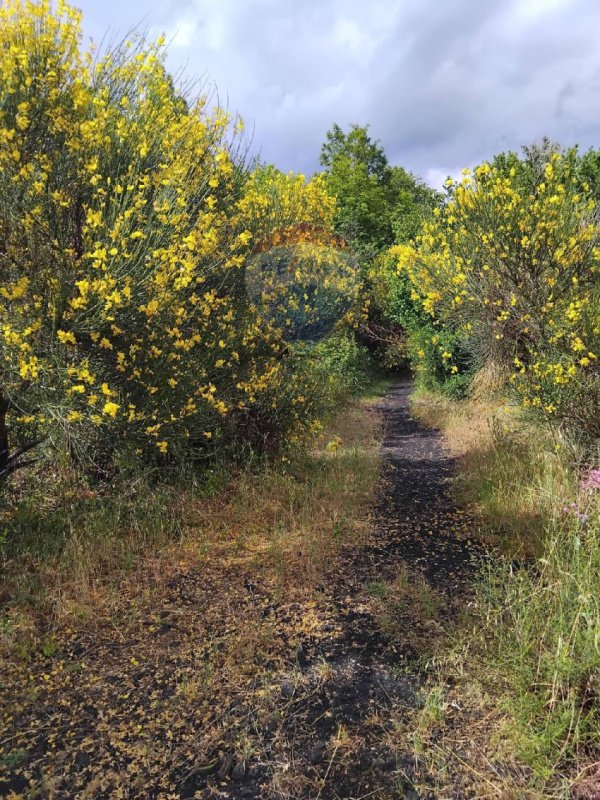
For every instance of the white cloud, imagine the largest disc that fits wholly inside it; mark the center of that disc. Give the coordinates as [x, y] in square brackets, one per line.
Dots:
[436, 176]
[181, 35]
[348, 35]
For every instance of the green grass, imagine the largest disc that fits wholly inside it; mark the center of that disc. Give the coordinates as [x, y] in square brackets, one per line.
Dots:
[532, 640]
[379, 383]
[545, 624]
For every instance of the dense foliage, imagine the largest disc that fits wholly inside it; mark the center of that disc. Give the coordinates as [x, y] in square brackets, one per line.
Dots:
[501, 290]
[378, 205]
[128, 219]
[510, 267]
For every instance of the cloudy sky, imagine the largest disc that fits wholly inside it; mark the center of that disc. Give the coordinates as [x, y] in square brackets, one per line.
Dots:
[442, 83]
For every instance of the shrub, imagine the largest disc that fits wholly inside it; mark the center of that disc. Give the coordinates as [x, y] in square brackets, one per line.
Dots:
[439, 361]
[127, 221]
[514, 273]
[345, 364]
[436, 354]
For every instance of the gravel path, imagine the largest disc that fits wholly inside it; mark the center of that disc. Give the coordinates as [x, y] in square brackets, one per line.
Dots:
[375, 667]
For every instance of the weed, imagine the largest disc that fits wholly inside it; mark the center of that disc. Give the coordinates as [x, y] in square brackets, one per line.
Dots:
[377, 589]
[531, 637]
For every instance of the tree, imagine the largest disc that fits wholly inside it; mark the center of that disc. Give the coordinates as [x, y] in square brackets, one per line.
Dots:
[413, 202]
[378, 204]
[358, 175]
[357, 147]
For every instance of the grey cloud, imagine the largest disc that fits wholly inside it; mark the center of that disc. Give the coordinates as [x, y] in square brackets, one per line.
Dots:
[443, 83]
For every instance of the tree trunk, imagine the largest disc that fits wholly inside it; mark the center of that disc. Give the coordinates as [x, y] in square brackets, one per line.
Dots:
[11, 463]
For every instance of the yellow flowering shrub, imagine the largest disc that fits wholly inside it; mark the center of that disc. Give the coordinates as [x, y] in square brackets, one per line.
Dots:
[301, 275]
[276, 201]
[304, 283]
[513, 270]
[126, 224]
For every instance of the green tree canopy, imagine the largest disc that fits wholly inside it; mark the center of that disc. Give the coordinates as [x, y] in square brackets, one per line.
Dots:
[377, 204]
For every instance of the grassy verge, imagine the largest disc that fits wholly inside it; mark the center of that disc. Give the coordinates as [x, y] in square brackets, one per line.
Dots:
[514, 710]
[69, 548]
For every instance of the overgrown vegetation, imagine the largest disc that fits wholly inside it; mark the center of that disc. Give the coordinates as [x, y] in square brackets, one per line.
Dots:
[178, 322]
[153, 283]
[173, 317]
[500, 297]
[168, 608]
[511, 268]
[528, 659]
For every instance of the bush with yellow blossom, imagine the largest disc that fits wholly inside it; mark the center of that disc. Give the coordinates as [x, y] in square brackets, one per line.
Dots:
[513, 270]
[126, 223]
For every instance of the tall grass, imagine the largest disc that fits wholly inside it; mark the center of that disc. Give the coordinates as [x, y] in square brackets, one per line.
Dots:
[536, 625]
[512, 471]
[544, 624]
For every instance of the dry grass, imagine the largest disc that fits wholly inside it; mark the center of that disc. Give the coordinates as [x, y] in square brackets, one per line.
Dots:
[466, 425]
[407, 610]
[288, 520]
[74, 550]
[506, 715]
[513, 472]
[211, 615]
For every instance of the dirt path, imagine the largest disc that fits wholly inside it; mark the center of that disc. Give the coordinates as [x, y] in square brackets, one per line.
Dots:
[394, 598]
[321, 689]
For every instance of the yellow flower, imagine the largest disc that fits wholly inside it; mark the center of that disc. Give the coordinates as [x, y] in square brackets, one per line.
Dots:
[66, 337]
[111, 409]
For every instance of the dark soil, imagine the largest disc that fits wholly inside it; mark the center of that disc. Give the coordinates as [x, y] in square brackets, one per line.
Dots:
[320, 710]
